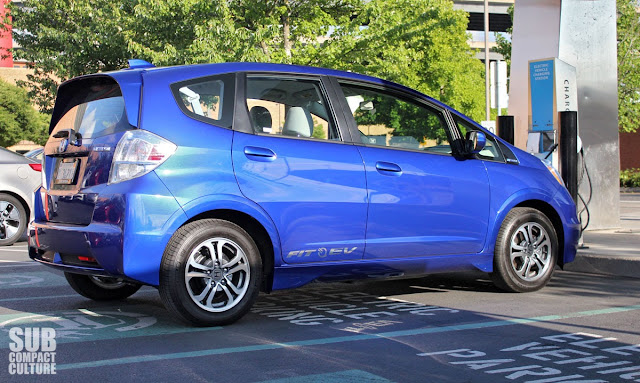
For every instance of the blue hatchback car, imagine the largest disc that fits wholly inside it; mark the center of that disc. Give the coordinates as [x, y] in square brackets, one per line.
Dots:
[215, 182]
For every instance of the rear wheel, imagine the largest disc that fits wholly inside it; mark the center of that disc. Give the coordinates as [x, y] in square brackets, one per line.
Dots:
[526, 251]
[210, 273]
[101, 288]
[13, 219]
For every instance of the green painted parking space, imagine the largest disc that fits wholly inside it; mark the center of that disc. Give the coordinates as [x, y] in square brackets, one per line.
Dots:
[84, 325]
[30, 279]
[344, 339]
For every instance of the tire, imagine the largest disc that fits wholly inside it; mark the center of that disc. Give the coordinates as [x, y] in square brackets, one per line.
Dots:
[210, 273]
[520, 264]
[101, 288]
[13, 219]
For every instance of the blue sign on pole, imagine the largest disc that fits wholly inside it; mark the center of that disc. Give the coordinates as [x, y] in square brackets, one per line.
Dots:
[541, 83]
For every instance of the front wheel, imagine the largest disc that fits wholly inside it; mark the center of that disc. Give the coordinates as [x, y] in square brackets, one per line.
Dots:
[210, 273]
[526, 251]
[101, 288]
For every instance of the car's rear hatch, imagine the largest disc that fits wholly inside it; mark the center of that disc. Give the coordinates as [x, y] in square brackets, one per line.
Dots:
[90, 116]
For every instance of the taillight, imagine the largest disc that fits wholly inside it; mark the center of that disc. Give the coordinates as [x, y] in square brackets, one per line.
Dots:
[44, 198]
[36, 167]
[138, 153]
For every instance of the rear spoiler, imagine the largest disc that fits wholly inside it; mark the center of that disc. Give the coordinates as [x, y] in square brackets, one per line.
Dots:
[130, 84]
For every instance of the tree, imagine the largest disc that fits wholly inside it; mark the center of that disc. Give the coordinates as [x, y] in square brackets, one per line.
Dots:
[18, 119]
[421, 44]
[628, 65]
[503, 44]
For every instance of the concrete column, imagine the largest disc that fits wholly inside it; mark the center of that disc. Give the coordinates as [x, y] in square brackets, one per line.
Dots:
[583, 34]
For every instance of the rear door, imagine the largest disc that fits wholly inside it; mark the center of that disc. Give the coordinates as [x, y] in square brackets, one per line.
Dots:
[424, 198]
[292, 160]
[89, 119]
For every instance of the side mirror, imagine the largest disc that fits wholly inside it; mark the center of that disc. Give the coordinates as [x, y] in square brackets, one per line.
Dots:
[475, 142]
[366, 105]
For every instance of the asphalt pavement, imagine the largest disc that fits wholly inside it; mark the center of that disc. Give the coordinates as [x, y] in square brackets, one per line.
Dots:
[582, 327]
[441, 328]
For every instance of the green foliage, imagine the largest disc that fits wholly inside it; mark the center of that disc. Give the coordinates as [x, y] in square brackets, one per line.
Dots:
[18, 119]
[628, 66]
[403, 118]
[503, 44]
[630, 178]
[318, 132]
[421, 44]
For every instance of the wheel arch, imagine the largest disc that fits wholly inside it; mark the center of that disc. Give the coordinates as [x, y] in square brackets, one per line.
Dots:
[256, 230]
[551, 213]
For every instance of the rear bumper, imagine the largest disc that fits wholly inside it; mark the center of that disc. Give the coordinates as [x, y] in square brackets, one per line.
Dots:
[65, 246]
[129, 246]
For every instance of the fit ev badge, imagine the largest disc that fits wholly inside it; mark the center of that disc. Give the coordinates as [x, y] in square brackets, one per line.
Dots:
[322, 252]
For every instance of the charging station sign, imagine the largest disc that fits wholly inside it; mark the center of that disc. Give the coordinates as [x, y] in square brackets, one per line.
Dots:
[552, 89]
[541, 82]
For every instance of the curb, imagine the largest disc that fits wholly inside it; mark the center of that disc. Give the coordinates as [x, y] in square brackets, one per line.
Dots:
[629, 190]
[598, 264]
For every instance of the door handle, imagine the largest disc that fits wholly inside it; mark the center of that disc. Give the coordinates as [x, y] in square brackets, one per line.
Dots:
[388, 168]
[259, 154]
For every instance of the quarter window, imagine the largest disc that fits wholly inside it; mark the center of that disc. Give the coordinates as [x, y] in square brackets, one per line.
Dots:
[208, 99]
[387, 120]
[289, 107]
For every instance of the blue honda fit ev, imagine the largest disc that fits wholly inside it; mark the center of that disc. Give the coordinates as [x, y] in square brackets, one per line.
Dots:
[214, 182]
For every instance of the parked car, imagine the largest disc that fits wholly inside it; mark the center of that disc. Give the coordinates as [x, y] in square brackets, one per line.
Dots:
[35, 154]
[19, 178]
[213, 182]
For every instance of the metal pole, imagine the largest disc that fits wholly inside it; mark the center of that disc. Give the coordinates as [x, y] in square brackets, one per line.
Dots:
[486, 59]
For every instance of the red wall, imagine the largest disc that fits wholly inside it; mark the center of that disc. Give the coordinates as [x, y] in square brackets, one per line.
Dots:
[630, 150]
[6, 41]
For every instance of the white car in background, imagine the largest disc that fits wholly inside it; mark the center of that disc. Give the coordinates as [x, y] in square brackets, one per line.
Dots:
[19, 178]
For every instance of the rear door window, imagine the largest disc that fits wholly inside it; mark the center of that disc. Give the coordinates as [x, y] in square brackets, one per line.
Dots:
[290, 107]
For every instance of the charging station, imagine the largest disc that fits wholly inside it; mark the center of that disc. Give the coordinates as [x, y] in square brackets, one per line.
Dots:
[552, 89]
[583, 35]
[553, 118]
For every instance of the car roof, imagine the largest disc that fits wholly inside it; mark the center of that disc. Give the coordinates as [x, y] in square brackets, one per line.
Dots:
[130, 81]
[186, 72]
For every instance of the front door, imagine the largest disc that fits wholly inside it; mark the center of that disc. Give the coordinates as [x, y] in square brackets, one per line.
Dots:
[424, 199]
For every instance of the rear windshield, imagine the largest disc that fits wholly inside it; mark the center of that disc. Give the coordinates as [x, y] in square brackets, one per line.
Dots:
[95, 110]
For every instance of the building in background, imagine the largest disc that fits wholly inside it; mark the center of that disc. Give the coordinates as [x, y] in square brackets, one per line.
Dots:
[499, 22]
[11, 70]
[6, 42]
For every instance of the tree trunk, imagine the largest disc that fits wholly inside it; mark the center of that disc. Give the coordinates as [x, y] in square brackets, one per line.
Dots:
[286, 32]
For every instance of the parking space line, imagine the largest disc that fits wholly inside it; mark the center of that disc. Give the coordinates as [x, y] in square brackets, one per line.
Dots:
[21, 264]
[16, 250]
[341, 339]
[13, 261]
[20, 299]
